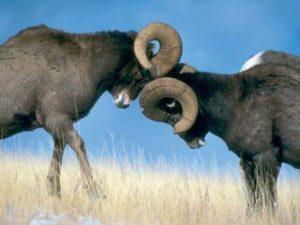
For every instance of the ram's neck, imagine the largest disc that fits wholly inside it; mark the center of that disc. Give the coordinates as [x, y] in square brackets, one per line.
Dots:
[105, 53]
[217, 95]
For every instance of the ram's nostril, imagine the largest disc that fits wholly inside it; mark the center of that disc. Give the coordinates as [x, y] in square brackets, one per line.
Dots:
[201, 142]
[122, 98]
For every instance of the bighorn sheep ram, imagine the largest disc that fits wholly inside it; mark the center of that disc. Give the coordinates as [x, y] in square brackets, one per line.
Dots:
[256, 112]
[50, 79]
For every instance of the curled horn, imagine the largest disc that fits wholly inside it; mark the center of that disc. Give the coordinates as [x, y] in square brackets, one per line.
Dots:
[170, 48]
[167, 87]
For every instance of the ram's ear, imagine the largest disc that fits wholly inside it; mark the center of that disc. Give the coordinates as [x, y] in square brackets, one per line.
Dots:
[181, 68]
[132, 34]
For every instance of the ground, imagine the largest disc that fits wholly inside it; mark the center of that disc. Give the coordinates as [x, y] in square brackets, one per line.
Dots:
[137, 194]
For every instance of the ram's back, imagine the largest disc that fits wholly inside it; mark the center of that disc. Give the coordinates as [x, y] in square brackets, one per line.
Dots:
[29, 60]
[274, 90]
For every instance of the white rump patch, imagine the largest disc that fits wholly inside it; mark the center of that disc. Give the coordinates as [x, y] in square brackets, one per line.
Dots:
[253, 61]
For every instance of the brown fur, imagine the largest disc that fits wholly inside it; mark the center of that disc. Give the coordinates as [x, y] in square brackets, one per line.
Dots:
[50, 78]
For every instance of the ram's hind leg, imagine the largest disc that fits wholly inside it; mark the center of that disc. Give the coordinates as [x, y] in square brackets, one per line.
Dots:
[62, 126]
[261, 174]
[55, 166]
[248, 169]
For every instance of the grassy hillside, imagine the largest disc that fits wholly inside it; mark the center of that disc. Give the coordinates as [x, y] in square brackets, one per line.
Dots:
[136, 194]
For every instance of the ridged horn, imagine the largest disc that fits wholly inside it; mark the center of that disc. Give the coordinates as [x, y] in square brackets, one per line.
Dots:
[167, 87]
[169, 52]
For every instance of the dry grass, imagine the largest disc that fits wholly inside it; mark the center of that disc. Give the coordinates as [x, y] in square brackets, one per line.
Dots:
[136, 194]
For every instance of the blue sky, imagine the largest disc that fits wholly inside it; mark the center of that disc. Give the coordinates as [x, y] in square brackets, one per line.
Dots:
[218, 36]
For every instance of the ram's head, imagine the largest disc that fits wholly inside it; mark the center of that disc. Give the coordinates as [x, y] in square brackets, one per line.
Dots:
[146, 65]
[172, 101]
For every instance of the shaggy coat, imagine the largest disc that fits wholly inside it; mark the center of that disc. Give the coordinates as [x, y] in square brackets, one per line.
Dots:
[50, 78]
[256, 113]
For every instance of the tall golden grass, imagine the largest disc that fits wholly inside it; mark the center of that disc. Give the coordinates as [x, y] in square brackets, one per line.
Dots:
[137, 194]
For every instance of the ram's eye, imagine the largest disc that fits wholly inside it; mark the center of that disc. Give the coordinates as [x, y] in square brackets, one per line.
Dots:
[138, 76]
[171, 104]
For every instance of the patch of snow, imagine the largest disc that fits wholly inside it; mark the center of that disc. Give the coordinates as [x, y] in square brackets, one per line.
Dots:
[42, 218]
[10, 213]
[132, 222]
[88, 221]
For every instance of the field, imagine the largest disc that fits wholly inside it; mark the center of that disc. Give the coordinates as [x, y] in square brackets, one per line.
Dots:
[137, 194]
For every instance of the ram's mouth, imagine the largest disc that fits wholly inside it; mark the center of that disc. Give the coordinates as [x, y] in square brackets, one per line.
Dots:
[196, 142]
[122, 100]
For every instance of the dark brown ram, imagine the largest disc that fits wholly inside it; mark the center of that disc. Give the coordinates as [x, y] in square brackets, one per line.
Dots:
[256, 113]
[50, 79]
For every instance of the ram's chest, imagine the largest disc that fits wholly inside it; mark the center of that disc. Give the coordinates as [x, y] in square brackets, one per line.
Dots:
[82, 99]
